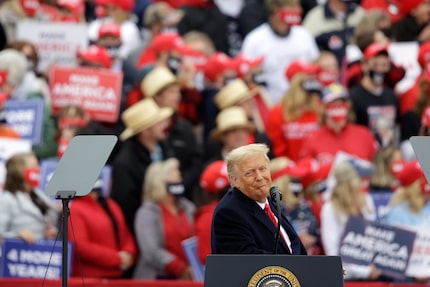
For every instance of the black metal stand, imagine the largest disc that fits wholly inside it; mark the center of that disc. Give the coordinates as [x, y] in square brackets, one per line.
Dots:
[66, 197]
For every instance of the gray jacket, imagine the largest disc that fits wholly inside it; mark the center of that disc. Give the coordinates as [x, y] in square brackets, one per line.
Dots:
[18, 212]
[153, 256]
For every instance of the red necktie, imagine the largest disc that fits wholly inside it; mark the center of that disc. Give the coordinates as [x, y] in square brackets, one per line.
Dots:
[275, 222]
[270, 214]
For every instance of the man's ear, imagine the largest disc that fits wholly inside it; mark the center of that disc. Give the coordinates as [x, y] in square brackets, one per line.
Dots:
[233, 180]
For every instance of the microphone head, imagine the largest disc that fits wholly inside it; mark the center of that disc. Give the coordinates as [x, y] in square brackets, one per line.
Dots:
[275, 193]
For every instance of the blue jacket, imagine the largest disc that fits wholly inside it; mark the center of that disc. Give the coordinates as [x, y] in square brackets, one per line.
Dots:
[240, 226]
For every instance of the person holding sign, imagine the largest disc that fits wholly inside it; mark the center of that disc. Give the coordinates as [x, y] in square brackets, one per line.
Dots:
[347, 199]
[25, 211]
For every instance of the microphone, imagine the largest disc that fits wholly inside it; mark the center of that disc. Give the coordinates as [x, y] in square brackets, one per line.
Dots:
[276, 196]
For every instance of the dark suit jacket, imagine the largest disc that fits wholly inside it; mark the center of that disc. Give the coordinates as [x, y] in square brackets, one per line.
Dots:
[240, 226]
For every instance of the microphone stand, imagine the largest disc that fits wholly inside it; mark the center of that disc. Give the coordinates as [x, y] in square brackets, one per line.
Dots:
[66, 197]
[275, 194]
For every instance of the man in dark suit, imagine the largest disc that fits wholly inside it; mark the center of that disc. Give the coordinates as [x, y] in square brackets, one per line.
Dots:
[240, 223]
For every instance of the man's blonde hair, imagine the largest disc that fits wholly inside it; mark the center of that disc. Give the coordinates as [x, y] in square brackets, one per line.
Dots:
[242, 153]
[156, 177]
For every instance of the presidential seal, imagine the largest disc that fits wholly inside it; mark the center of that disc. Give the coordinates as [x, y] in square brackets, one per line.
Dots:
[273, 276]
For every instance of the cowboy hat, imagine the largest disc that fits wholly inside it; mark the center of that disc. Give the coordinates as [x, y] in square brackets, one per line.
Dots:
[234, 92]
[231, 118]
[141, 116]
[157, 80]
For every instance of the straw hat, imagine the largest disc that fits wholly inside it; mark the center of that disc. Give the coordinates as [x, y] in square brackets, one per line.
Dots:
[156, 80]
[234, 92]
[231, 118]
[141, 116]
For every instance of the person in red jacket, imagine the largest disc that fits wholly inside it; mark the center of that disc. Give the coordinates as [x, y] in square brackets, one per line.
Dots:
[297, 115]
[337, 132]
[214, 182]
[103, 245]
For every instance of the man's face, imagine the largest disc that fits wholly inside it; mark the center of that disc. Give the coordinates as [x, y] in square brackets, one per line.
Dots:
[379, 64]
[234, 138]
[169, 97]
[159, 131]
[253, 178]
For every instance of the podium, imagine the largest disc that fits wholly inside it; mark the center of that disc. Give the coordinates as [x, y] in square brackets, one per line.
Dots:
[273, 270]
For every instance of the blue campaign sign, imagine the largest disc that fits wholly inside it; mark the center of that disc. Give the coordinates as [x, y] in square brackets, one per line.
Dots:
[387, 247]
[190, 247]
[42, 259]
[26, 117]
[380, 200]
[47, 168]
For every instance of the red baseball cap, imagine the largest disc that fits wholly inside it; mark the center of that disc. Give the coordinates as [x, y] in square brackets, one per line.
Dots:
[30, 6]
[214, 178]
[76, 6]
[407, 172]
[374, 50]
[126, 5]
[163, 42]
[168, 42]
[292, 170]
[110, 28]
[216, 65]
[396, 9]
[96, 54]
[317, 172]
[300, 66]
[243, 64]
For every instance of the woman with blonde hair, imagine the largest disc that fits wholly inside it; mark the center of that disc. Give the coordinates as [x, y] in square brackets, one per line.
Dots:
[409, 206]
[162, 222]
[382, 179]
[296, 115]
[298, 210]
[347, 199]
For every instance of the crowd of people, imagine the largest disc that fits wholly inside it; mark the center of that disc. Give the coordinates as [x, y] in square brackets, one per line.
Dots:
[201, 78]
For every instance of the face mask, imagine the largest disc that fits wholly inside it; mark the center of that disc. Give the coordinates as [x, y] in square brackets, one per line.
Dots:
[291, 17]
[337, 112]
[311, 86]
[30, 65]
[326, 77]
[259, 79]
[387, 32]
[113, 50]
[177, 189]
[173, 64]
[425, 187]
[3, 96]
[377, 78]
[62, 145]
[30, 6]
[3, 116]
[32, 176]
[227, 80]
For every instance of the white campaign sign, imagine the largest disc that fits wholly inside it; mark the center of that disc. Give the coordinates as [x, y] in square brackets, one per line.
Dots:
[419, 263]
[55, 43]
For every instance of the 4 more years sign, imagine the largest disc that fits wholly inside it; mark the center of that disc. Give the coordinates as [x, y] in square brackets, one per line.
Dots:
[42, 259]
[97, 91]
